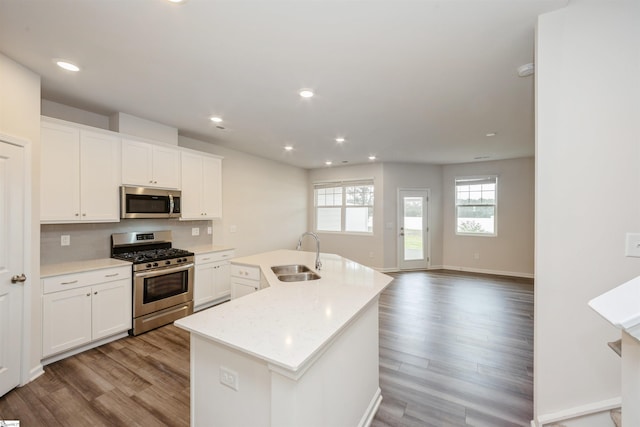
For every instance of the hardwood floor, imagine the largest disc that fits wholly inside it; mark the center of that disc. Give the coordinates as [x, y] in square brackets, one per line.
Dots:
[455, 350]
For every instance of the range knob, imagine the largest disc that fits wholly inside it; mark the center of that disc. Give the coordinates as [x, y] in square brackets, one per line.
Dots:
[167, 262]
[155, 264]
[148, 265]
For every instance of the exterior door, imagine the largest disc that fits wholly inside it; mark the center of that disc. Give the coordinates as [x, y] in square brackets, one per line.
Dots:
[11, 262]
[413, 232]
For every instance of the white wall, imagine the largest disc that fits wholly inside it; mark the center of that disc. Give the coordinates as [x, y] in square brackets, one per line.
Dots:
[411, 175]
[264, 200]
[364, 249]
[20, 117]
[587, 194]
[511, 251]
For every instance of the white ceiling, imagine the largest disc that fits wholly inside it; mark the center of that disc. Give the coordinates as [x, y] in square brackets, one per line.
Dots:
[408, 81]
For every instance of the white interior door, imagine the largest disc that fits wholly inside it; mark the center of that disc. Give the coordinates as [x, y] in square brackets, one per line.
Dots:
[11, 263]
[413, 229]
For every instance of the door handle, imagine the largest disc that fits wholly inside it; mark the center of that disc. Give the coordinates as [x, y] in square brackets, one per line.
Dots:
[19, 279]
[402, 231]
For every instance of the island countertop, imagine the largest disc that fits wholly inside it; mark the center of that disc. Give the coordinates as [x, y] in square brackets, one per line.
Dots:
[288, 324]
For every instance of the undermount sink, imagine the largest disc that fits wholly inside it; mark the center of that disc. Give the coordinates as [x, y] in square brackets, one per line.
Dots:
[294, 273]
[290, 269]
[298, 277]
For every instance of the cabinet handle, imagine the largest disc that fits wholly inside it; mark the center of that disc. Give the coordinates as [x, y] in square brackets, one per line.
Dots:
[84, 214]
[206, 259]
[77, 214]
[95, 293]
[69, 283]
[111, 275]
[89, 294]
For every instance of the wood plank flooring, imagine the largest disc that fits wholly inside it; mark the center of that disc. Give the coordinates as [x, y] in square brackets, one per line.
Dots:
[456, 349]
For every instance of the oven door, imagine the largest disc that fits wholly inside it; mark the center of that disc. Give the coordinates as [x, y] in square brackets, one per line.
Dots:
[162, 288]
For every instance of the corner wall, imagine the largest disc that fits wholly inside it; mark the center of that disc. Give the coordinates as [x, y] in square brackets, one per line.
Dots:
[587, 196]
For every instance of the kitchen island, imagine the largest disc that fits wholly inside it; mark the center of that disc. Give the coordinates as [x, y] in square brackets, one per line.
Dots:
[292, 354]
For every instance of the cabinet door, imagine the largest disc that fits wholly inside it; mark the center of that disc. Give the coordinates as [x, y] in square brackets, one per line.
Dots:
[212, 187]
[166, 167]
[242, 287]
[137, 161]
[99, 176]
[222, 280]
[192, 182]
[59, 173]
[203, 290]
[66, 320]
[111, 308]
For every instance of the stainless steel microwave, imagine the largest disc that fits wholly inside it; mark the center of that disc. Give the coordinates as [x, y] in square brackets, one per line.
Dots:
[145, 202]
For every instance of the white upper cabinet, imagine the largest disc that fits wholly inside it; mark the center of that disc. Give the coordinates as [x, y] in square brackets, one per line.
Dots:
[201, 187]
[150, 165]
[80, 175]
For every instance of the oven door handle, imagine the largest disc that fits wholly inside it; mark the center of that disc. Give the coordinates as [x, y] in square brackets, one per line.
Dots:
[166, 270]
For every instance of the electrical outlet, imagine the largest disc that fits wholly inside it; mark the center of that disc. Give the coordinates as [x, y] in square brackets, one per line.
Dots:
[65, 240]
[632, 245]
[209, 230]
[233, 228]
[195, 231]
[229, 378]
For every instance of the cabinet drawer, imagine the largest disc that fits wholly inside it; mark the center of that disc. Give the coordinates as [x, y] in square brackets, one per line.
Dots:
[246, 272]
[213, 257]
[85, 278]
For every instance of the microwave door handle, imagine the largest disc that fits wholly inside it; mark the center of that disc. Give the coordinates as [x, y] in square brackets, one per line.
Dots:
[168, 270]
[171, 204]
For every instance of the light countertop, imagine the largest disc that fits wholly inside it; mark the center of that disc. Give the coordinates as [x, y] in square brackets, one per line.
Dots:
[287, 324]
[80, 266]
[203, 249]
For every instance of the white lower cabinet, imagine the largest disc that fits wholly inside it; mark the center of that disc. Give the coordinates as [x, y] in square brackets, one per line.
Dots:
[245, 280]
[84, 307]
[212, 278]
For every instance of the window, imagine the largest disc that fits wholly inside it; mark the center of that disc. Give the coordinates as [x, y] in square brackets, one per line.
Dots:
[345, 206]
[476, 205]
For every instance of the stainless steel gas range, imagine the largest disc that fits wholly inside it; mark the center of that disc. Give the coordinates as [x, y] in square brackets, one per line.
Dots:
[162, 277]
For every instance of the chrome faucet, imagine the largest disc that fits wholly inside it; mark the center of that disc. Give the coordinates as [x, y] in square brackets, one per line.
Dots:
[315, 236]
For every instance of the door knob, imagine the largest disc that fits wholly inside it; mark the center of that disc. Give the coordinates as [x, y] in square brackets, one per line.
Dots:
[18, 279]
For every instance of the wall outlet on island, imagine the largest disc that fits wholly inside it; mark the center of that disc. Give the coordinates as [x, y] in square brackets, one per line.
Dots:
[195, 231]
[229, 378]
[65, 240]
[209, 230]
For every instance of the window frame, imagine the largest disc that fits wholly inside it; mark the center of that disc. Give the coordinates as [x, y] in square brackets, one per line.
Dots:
[344, 184]
[478, 179]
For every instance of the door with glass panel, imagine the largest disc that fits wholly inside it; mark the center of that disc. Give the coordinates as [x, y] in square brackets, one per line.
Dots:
[413, 227]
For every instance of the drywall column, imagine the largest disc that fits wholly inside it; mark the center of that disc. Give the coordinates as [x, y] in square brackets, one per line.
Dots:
[587, 197]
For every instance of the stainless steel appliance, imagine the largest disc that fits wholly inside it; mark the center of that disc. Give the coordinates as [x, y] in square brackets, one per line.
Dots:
[145, 202]
[162, 277]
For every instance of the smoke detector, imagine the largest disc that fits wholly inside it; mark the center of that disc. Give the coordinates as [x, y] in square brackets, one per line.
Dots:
[526, 70]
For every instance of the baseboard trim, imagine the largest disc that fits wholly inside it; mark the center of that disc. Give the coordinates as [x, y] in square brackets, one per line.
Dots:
[35, 372]
[485, 271]
[578, 411]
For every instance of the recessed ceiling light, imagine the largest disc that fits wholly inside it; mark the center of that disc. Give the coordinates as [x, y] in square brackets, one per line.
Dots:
[372, 157]
[67, 65]
[177, 1]
[340, 139]
[306, 93]
[490, 134]
[216, 119]
[288, 147]
[328, 163]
